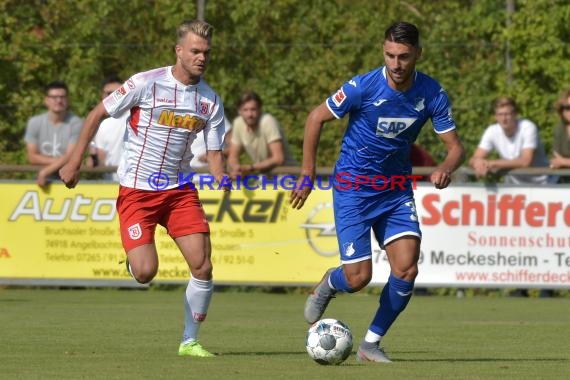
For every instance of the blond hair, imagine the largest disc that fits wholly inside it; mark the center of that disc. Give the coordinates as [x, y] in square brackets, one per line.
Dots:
[198, 27]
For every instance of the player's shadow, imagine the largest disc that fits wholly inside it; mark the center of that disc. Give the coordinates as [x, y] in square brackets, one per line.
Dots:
[394, 356]
[14, 300]
[346, 363]
[396, 359]
[258, 353]
[482, 360]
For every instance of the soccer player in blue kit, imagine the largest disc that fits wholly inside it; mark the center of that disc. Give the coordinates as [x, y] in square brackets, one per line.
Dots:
[387, 108]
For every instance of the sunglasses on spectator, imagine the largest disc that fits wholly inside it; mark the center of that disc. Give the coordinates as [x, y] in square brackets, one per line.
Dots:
[565, 107]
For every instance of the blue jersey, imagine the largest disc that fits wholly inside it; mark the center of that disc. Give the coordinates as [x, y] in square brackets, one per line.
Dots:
[383, 124]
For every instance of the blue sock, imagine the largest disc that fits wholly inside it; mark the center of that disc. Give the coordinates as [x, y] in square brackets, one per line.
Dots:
[393, 300]
[338, 281]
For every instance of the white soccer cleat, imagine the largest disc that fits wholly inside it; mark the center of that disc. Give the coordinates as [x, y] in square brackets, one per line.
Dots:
[371, 352]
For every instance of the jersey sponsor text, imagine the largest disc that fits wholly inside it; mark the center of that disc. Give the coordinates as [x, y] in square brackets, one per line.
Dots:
[391, 127]
[189, 122]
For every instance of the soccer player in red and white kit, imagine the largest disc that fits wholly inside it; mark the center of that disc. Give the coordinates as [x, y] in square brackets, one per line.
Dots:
[168, 106]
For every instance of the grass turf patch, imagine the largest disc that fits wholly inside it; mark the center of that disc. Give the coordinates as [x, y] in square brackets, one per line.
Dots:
[124, 334]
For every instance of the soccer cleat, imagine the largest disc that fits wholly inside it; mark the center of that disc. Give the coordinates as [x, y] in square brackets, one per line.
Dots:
[371, 352]
[319, 299]
[194, 349]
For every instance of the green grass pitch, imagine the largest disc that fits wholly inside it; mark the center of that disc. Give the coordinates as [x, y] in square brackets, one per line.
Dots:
[128, 334]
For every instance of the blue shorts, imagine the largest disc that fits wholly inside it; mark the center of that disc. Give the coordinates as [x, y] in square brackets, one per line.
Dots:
[391, 216]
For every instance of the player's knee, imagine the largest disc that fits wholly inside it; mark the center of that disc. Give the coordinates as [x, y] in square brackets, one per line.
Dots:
[413, 273]
[202, 272]
[408, 274]
[144, 275]
[358, 280]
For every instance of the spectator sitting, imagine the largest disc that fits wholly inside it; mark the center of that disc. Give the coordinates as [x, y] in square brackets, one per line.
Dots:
[260, 135]
[516, 141]
[53, 134]
[109, 140]
[561, 143]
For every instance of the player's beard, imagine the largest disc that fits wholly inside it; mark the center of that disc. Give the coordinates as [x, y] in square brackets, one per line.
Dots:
[403, 80]
[194, 71]
[402, 76]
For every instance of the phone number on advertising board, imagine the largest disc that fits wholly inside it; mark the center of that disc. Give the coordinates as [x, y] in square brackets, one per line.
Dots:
[233, 259]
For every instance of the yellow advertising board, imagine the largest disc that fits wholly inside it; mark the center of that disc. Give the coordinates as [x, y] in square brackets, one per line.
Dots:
[58, 234]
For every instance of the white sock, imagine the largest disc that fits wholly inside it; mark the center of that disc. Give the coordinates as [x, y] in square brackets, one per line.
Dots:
[196, 303]
[372, 337]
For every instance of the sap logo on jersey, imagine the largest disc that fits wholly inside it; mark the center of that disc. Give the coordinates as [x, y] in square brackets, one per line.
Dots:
[391, 127]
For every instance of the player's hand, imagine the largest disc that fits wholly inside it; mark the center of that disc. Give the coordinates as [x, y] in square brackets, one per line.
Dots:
[69, 175]
[441, 178]
[301, 192]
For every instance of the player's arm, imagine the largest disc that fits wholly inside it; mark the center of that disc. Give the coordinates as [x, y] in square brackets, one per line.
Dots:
[441, 177]
[69, 173]
[216, 166]
[227, 144]
[234, 153]
[313, 126]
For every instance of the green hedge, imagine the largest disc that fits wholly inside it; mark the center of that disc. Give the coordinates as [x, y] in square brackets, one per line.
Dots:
[293, 53]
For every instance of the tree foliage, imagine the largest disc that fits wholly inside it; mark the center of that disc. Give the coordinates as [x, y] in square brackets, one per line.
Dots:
[293, 53]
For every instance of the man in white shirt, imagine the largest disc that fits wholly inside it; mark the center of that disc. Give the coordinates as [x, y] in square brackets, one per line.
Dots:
[109, 140]
[517, 143]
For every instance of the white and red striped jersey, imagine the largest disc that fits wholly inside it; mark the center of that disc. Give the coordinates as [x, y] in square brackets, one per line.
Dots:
[165, 117]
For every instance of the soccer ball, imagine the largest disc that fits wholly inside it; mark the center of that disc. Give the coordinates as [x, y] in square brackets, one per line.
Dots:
[329, 341]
